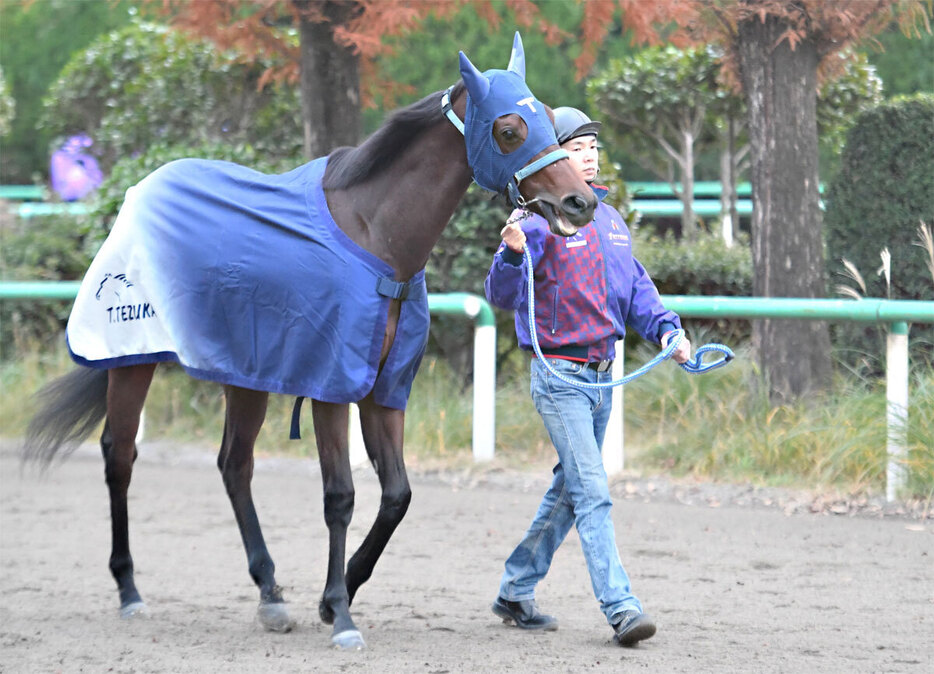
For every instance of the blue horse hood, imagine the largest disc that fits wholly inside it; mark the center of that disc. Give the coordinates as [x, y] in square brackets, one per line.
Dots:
[491, 95]
[508, 94]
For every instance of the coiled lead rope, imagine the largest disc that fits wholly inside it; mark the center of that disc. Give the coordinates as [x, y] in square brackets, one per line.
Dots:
[695, 366]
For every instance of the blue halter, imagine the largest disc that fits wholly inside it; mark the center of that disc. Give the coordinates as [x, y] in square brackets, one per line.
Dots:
[491, 95]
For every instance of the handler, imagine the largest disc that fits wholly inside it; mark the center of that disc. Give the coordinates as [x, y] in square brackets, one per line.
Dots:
[588, 287]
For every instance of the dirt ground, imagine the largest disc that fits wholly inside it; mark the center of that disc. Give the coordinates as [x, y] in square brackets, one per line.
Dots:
[738, 580]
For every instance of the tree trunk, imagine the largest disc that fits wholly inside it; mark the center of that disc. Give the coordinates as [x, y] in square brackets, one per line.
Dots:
[780, 86]
[330, 80]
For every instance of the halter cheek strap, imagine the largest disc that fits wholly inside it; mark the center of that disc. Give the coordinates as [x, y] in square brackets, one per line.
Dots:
[512, 187]
[448, 109]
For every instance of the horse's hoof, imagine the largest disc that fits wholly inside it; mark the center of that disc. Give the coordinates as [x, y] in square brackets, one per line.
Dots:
[325, 613]
[134, 610]
[348, 640]
[274, 617]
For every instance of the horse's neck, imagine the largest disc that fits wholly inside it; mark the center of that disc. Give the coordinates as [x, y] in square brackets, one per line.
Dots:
[399, 214]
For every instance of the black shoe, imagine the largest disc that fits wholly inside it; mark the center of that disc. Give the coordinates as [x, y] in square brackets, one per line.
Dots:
[632, 627]
[525, 614]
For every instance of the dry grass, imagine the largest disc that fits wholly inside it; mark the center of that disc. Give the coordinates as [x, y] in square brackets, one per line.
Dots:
[715, 425]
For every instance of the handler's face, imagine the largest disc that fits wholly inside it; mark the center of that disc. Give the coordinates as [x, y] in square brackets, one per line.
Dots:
[584, 156]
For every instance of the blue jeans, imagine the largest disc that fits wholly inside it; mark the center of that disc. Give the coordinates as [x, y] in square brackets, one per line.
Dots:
[579, 495]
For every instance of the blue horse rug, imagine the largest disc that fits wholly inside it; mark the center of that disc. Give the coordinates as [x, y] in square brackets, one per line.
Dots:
[245, 279]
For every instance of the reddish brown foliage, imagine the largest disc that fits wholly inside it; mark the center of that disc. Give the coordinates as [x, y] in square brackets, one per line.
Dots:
[257, 27]
[831, 24]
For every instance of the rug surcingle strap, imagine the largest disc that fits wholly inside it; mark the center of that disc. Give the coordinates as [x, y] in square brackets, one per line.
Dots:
[392, 289]
[295, 432]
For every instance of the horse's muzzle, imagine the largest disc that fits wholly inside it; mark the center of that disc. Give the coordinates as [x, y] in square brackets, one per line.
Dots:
[578, 209]
[567, 215]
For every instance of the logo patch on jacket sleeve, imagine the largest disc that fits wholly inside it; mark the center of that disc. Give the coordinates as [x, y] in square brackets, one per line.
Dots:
[616, 237]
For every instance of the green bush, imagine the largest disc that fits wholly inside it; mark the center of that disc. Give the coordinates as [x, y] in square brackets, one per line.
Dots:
[146, 84]
[880, 197]
[882, 194]
[48, 248]
[704, 266]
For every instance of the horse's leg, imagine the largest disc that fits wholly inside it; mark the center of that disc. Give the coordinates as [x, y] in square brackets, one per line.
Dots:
[126, 392]
[246, 411]
[382, 435]
[331, 435]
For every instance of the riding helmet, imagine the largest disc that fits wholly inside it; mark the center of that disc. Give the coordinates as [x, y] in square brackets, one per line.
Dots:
[571, 123]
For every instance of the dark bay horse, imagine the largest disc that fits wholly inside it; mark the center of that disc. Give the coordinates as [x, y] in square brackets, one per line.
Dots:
[388, 201]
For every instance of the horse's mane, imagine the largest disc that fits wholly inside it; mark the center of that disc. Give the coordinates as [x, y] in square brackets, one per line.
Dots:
[348, 166]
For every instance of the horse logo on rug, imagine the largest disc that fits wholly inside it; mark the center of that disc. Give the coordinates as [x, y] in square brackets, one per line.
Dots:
[114, 284]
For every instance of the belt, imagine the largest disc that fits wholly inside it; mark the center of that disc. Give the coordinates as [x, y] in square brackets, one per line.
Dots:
[599, 366]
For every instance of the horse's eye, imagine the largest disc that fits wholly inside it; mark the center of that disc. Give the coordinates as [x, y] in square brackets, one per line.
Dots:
[509, 133]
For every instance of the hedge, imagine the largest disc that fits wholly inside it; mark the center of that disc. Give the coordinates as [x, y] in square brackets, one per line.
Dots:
[882, 194]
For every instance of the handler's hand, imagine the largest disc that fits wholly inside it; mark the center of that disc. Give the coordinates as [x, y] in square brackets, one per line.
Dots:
[513, 237]
[683, 353]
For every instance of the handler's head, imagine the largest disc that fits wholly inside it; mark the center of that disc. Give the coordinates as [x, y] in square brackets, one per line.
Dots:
[577, 134]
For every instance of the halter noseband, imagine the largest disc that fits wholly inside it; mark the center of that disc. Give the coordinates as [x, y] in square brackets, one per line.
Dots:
[512, 187]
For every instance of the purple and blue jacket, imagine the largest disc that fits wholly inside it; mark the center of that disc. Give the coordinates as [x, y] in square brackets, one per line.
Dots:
[588, 287]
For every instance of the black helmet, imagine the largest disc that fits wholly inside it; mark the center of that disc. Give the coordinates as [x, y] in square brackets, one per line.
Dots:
[571, 123]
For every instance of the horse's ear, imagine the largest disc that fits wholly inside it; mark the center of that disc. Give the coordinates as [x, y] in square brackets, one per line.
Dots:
[517, 59]
[478, 86]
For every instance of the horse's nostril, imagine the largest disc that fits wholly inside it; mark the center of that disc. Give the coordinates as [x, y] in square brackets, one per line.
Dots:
[574, 205]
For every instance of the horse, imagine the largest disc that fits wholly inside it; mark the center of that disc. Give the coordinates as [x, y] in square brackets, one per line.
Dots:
[194, 229]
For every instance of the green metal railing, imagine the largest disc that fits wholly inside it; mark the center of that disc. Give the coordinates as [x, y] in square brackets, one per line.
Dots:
[702, 189]
[897, 314]
[22, 192]
[705, 208]
[39, 290]
[867, 310]
[458, 304]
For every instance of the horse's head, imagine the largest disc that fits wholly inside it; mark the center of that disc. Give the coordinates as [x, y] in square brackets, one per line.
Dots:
[512, 148]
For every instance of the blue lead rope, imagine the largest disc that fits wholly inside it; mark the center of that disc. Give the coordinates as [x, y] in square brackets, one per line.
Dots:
[696, 366]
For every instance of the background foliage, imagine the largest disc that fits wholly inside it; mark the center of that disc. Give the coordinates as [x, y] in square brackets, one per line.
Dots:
[881, 195]
[146, 111]
[37, 38]
[145, 84]
[426, 60]
[649, 101]
[7, 106]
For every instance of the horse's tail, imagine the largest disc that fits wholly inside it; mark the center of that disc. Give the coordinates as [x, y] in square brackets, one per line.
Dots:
[71, 407]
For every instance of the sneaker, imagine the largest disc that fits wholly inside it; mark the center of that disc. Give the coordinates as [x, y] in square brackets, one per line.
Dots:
[524, 614]
[631, 627]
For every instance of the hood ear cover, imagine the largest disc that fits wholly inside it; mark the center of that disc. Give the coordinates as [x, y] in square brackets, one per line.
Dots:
[478, 86]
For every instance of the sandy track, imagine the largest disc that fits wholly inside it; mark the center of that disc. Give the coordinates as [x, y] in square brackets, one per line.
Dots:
[733, 589]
